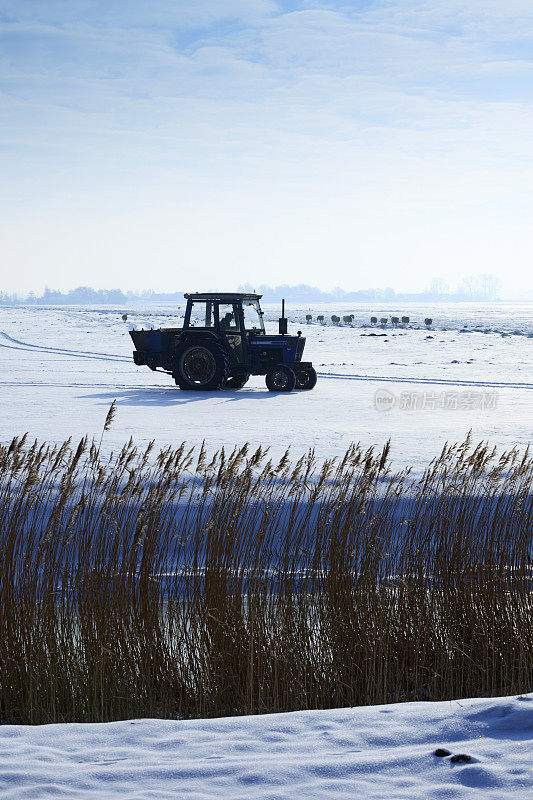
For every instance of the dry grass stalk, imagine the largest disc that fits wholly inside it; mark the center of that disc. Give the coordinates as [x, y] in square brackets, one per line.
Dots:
[176, 584]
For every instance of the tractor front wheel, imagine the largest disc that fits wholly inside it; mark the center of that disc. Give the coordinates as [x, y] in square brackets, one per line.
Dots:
[306, 378]
[280, 379]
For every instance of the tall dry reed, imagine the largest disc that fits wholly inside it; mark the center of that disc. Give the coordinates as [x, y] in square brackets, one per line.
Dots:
[185, 583]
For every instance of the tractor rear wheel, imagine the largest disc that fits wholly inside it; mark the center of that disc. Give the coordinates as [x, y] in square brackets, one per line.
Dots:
[202, 366]
[306, 378]
[280, 379]
[236, 381]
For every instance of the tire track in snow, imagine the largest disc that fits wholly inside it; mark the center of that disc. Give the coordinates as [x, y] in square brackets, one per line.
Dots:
[427, 381]
[36, 348]
[110, 386]
[60, 351]
[169, 387]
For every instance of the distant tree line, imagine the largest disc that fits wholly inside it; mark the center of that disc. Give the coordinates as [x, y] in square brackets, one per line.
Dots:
[478, 287]
[85, 295]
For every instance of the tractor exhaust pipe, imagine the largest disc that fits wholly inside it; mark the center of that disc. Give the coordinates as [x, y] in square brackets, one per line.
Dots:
[282, 320]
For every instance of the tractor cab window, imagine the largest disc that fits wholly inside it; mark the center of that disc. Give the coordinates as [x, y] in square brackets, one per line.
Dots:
[202, 315]
[228, 317]
[253, 316]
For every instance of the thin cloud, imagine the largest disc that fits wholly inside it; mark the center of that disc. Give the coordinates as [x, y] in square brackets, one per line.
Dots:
[375, 105]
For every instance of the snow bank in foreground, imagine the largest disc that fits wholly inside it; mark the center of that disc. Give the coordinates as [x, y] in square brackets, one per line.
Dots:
[384, 752]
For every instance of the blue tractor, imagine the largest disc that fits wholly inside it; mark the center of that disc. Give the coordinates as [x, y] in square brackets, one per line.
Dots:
[222, 342]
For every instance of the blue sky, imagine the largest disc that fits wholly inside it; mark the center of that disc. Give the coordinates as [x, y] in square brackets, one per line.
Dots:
[192, 145]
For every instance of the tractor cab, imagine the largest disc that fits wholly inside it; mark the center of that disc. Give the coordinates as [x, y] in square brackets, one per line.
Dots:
[238, 314]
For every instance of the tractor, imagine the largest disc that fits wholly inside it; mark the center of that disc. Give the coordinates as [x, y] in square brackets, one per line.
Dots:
[222, 342]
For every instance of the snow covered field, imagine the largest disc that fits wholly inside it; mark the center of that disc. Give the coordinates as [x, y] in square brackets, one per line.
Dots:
[62, 367]
[60, 370]
[382, 752]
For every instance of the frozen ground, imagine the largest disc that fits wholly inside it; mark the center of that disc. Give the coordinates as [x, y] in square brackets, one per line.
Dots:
[60, 370]
[62, 367]
[382, 752]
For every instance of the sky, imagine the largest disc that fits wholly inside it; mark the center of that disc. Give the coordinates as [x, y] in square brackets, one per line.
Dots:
[190, 145]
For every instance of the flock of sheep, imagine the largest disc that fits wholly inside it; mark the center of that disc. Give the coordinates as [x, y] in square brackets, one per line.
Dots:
[349, 318]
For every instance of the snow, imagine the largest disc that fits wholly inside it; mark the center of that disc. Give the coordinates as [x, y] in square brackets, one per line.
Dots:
[62, 367]
[384, 752]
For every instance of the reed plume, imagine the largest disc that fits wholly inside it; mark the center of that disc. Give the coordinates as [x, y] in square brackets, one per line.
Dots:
[184, 584]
